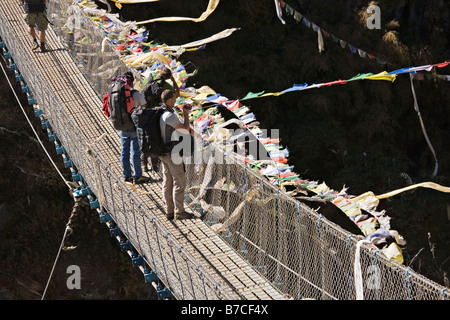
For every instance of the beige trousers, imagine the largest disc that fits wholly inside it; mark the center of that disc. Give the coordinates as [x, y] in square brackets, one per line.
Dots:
[174, 184]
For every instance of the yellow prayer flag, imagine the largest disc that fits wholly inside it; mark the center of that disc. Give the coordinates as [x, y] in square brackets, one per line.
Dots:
[223, 34]
[119, 2]
[382, 76]
[321, 188]
[212, 5]
[430, 185]
[275, 94]
[393, 252]
[145, 58]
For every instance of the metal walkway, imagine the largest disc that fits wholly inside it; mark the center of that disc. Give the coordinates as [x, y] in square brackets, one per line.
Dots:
[204, 266]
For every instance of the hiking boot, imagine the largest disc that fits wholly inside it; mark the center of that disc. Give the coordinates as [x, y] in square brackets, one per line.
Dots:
[170, 216]
[43, 48]
[141, 180]
[128, 179]
[35, 46]
[184, 215]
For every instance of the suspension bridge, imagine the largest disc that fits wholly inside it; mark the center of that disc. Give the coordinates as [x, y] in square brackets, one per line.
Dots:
[254, 241]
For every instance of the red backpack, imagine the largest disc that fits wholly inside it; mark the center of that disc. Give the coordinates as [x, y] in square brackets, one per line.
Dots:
[118, 103]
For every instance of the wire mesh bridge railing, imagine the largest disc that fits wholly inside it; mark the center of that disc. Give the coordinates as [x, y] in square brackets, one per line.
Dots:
[75, 123]
[291, 246]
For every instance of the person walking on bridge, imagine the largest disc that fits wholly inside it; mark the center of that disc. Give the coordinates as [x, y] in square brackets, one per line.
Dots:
[129, 142]
[174, 178]
[35, 16]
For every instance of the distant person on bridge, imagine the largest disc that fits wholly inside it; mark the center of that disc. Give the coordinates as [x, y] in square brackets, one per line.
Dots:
[155, 86]
[35, 16]
[174, 177]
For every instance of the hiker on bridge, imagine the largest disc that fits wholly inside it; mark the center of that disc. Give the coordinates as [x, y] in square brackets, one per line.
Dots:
[174, 177]
[152, 92]
[156, 85]
[35, 16]
[118, 104]
[129, 141]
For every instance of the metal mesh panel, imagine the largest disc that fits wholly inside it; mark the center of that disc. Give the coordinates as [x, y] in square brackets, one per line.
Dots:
[300, 252]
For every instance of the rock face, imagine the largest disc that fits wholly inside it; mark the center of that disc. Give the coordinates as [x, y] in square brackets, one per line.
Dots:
[365, 136]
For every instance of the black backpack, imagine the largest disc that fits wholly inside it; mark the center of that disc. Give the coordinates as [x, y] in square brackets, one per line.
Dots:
[148, 130]
[33, 6]
[120, 103]
[153, 90]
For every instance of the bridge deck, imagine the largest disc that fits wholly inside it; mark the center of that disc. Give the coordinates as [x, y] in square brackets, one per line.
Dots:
[66, 81]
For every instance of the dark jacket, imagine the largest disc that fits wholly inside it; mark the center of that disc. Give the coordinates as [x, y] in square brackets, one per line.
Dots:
[33, 6]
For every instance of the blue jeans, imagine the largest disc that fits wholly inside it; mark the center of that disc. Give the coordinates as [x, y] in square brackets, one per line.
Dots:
[129, 142]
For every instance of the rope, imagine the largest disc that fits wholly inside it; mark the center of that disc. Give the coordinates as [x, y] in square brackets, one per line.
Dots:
[54, 264]
[62, 247]
[416, 107]
[359, 288]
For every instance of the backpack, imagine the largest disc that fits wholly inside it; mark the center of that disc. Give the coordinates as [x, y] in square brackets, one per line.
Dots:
[153, 90]
[118, 104]
[149, 132]
[33, 6]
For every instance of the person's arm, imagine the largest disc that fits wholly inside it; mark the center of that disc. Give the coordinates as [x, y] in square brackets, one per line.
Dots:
[185, 126]
[175, 87]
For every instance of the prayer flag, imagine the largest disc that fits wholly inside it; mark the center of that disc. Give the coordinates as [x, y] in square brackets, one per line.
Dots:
[382, 76]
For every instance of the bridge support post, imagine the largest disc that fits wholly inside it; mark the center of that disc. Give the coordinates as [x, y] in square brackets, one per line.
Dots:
[150, 276]
[104, 217]
[164, 293]
[67, 162]
[76, 176]
[137, 260]
[19, 77]
[125, 245]
[60, 149]
[94, 203]
[114, 231]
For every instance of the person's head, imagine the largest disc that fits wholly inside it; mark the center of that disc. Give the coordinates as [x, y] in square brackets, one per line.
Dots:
[166, 74]
[148, 94]
[130, 78]
[168, 98]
